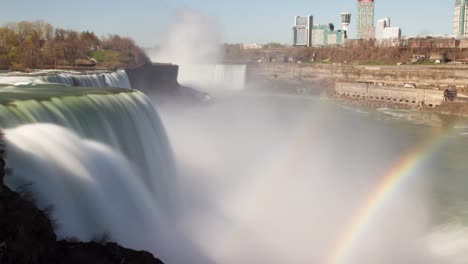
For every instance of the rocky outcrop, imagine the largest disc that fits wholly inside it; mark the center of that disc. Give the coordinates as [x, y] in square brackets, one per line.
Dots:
[27, 237]
[2, 161]
[92, 252]
[453, 108]
[26, 234]
[159, 82]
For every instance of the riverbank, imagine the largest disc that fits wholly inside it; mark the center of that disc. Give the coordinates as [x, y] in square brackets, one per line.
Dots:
[445, 107]
[417, 87]
[420, 76]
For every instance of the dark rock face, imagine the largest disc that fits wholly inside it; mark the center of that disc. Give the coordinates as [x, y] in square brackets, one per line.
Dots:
[27, 237]
[155, 78]
[159, 82]
[26, 234]
[2, 160]
[2, 172]
[109, 253]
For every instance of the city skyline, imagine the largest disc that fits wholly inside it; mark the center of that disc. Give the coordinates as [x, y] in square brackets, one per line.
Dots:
[241, 21]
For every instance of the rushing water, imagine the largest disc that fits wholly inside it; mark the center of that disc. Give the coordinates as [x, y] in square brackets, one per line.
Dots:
[99, 156]
[117, 79]
[213, 76]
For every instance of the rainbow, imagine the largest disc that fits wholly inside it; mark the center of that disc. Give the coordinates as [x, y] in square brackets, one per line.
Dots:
[388, 184]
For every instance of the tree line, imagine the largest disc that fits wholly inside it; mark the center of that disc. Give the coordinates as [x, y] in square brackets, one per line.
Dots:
[355, 52]
[34, 45]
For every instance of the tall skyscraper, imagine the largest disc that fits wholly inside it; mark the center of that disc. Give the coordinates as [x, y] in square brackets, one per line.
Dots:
[460, 18]
[302, 31]
[365, 19]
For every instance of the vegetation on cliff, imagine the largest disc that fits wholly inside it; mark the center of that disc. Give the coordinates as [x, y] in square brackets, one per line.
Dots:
[356, 52]
[31, 45]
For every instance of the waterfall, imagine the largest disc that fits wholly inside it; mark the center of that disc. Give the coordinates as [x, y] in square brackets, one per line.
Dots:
[113, 79]
[100, 156]
[117, 79]
[213, 76]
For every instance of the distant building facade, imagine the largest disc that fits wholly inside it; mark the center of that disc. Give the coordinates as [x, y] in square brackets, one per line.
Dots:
[463, 44]
[385, 34]
[325, 35]
[460, 18]
[430, 43]
[252, 46]
[365, 19]
[302, 31]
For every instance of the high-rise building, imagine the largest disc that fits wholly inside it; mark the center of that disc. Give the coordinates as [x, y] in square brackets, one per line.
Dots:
[365, 19]
[302, 31]
[460, 18]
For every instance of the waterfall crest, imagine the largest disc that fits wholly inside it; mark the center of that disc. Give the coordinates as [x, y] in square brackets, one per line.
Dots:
[116, 79]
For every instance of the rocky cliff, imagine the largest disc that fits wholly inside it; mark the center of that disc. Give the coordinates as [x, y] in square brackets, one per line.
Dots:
[159, 81]
[420, 76]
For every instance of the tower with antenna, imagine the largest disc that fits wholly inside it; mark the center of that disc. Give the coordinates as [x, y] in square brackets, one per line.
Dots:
[345, 21]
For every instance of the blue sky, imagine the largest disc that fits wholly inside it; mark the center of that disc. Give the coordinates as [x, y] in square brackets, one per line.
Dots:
[247, 21]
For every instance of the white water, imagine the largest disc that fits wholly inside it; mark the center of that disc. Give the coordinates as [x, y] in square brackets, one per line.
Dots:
[117, 79]
[124, 121]
[213, 76]
[102, 160]
[93, 188]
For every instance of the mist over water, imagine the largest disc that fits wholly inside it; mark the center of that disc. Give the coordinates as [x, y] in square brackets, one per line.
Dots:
[277, 179]
[192, 39]
[194, 43]
[260, 178]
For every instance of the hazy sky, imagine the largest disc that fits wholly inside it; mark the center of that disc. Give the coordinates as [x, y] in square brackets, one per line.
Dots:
[249, 21]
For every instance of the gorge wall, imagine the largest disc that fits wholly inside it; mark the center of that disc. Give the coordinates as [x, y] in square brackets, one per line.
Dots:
[421, 76]
[412, 97]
